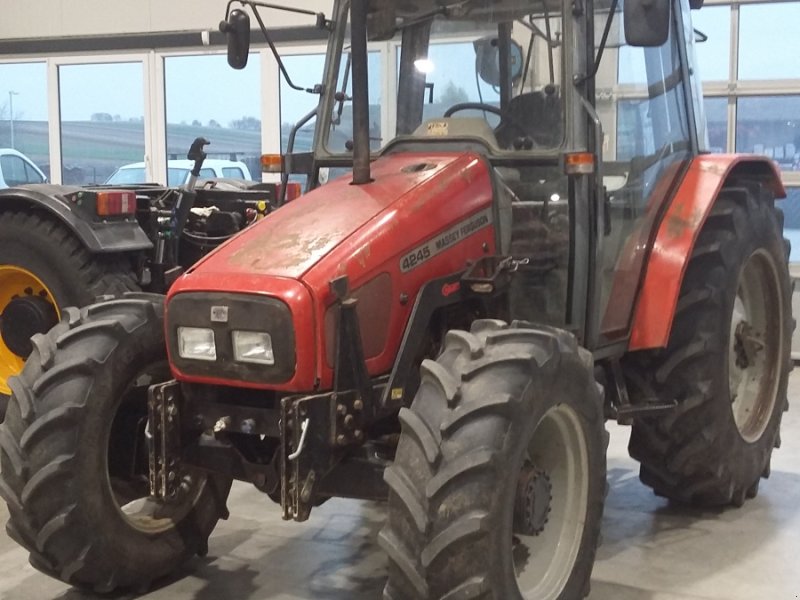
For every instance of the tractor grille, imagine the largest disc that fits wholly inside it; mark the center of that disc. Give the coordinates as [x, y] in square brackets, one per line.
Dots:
[223, 314]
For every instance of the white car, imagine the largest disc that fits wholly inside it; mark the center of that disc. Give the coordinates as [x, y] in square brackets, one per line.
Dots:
[17, 169]
[178, 172]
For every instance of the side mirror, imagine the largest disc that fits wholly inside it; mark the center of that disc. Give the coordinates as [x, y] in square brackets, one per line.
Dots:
[487, 52]
[237, 31]
[646, 22]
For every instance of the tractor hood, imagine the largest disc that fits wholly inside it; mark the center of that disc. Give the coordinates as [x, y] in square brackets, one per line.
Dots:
[423, 217]
[293, 239]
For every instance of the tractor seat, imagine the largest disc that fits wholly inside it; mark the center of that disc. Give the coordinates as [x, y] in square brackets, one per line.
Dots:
[534, 115]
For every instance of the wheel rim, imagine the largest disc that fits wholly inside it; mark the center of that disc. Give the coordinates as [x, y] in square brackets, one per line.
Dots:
[128, 474]
[543, 562]
[15, 283]
[756, 339]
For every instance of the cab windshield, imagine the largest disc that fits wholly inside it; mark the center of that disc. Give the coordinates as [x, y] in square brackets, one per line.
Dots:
[486, 71]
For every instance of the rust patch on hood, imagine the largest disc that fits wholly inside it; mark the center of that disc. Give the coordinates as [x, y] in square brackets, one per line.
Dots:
[294, 238]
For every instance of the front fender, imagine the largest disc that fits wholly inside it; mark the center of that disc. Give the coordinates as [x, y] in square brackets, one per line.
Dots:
[97, 235]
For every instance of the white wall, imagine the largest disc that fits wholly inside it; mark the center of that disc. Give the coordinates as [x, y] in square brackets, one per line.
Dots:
[66, 18]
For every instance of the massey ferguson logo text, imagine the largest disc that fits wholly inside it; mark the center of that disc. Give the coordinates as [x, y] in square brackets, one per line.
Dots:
[444, 240]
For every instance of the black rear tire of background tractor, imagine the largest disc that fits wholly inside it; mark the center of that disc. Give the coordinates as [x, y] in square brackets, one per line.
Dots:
[498, 485]
[73, 455]
[726, 363]
[34, 247]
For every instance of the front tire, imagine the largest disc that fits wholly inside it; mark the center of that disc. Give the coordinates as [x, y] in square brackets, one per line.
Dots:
[74, 460]
[498, 484]
[726, 363]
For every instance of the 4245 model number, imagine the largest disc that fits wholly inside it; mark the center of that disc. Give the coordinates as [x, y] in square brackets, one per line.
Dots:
[418, 256]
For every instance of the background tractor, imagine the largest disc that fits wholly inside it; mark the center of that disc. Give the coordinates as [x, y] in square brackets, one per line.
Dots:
[67, 245]
[447, 322]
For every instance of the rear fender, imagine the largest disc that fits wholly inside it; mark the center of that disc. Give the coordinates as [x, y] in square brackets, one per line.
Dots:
[677, 233]
[97, 236]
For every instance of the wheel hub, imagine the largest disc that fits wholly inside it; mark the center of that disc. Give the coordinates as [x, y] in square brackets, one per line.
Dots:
[533, 503]
[755, 346]
[747, 345]
[24, 317]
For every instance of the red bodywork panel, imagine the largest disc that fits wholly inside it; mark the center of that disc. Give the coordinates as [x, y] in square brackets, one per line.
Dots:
[363, 232]
[676, 237]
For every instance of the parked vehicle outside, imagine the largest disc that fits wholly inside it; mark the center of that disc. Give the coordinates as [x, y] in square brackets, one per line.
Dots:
[178, 172]
[17, 169]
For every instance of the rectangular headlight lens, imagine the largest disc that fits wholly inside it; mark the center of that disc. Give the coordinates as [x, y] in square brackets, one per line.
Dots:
[253, 347]
[196, 343]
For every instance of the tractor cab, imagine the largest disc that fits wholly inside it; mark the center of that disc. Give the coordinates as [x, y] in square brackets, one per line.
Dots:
[587, 117]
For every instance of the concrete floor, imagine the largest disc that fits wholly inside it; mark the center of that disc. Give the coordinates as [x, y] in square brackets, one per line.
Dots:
[650, 550]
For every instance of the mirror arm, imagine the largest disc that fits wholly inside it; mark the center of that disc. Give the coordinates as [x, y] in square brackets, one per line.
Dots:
[603, 43]
[550, 60]
[320, 17]
[526, 68]
[276, 54]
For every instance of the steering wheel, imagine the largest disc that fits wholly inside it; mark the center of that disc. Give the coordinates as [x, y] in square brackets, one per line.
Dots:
[475, 106]
[505, 117]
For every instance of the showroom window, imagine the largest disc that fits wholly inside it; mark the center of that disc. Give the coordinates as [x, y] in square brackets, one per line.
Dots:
[23, 111]
[770, 126]
[305, 71]
[769, 45]
[102, 120]
[713, 46]
[716, 110]
[226, 110]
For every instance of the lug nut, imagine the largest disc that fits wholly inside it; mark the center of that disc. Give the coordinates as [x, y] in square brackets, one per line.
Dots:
[341, 440]
[358, 405]
[348, 421]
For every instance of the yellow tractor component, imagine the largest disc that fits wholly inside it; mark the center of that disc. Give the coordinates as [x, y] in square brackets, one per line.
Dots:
[22, 294]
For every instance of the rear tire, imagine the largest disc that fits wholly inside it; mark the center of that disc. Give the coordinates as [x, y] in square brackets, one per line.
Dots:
[40, 254]
[77, 496]
[498, 485]
[726, 363]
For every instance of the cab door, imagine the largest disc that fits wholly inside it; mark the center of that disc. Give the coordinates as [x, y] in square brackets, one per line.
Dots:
[643, 101]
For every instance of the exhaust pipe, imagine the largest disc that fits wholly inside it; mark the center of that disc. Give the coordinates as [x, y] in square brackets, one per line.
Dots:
[358, 49]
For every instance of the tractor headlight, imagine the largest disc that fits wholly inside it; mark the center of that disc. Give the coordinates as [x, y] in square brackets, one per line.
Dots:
[253, 347]
[197, 343]
[233, 337]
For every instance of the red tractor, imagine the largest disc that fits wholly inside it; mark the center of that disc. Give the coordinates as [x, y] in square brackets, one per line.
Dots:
[448, 321]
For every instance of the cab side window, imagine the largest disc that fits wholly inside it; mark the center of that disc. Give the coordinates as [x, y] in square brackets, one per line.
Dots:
[643, 106]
